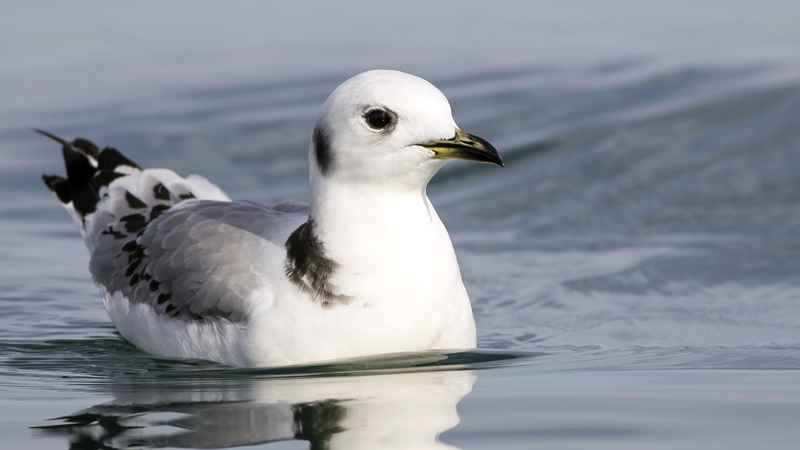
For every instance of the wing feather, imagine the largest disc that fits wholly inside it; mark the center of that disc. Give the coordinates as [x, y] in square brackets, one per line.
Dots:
[177, 244]
[206, 257]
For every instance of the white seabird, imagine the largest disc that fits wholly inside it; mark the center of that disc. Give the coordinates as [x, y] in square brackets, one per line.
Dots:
[366, 268]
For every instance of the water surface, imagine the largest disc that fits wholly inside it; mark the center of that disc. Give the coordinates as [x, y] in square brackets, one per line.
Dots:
[634, 269]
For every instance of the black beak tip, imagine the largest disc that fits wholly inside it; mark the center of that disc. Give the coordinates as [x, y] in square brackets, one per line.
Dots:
[495, 156]
[491, 152]
[497, 159]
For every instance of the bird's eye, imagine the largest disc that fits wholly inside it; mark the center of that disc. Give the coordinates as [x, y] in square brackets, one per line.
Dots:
[378, 119]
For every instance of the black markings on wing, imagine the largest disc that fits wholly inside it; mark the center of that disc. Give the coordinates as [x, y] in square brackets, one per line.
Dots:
[87, 147]
[157, 210]
[134, 202]
[133, 223]
[160, 192]
[309, 268]
[199, 262]
[79, 179]
[130, 271]
[322, 150]
[114, 233]
[58, 185]
[104, 178]
[111, 158]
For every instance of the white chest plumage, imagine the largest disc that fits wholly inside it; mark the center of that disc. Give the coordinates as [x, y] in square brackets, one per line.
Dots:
[395, 286]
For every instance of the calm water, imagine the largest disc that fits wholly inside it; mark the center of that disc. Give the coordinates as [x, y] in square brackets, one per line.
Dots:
[634, 269]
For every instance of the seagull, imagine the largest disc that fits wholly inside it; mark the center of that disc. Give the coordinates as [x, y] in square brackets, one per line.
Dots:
[367, 268]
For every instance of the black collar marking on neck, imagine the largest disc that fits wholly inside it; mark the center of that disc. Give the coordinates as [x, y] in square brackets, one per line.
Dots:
[308, 267]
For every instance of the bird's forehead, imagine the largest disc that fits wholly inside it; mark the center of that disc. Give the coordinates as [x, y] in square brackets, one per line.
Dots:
[395, 90]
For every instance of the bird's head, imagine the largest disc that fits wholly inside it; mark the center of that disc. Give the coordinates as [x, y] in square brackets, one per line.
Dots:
[389, 128]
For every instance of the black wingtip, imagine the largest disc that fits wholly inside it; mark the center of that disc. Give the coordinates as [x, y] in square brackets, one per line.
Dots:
[84, 145]
[88, 170]
[79, 177]
[51, 136]
[77, 187]
[110, 158]
[58, 185]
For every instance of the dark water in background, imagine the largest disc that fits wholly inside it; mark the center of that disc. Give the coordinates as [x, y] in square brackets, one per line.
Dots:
[634, 269]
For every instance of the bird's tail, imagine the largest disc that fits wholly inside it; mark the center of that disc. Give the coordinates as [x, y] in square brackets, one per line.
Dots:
[105, 192]
[88, 170]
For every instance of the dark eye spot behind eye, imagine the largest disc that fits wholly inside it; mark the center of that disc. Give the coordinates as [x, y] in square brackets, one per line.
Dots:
[378, 119]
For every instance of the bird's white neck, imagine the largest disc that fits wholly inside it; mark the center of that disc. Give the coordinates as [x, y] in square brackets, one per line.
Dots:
[382, 239]
[350, 215]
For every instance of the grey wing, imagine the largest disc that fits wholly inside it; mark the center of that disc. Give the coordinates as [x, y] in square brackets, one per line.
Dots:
[200, 260]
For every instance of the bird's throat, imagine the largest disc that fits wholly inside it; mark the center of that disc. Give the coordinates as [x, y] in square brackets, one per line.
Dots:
[373, 242]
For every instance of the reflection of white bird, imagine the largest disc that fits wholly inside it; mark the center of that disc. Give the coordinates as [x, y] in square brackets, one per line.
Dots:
[391, 411]
[367, 268]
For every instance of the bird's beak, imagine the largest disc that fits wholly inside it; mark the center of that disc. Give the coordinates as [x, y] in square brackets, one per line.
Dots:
[465, 146]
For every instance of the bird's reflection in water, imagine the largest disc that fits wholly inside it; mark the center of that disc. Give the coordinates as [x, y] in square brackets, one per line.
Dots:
[398, 411]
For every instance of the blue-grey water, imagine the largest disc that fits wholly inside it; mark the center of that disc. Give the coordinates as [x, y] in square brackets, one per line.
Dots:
[634, 269]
